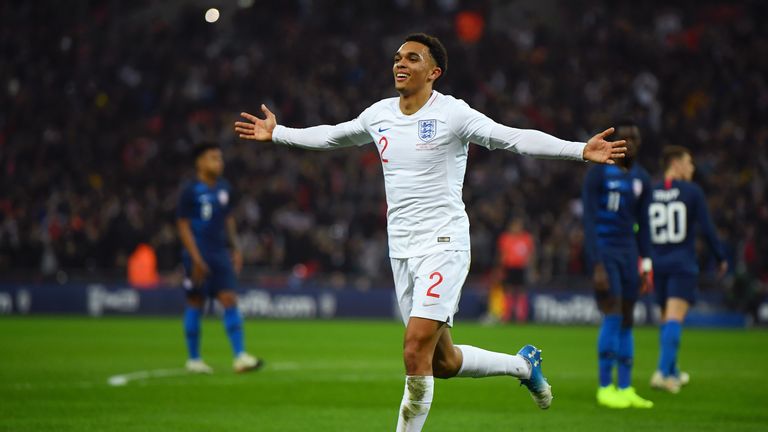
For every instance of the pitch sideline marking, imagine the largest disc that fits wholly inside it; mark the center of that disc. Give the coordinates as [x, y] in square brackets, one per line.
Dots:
[123, 379]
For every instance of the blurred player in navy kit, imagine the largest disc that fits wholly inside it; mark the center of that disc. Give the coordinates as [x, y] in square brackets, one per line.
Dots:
[208, 232]
[616, 199]
[677, 209]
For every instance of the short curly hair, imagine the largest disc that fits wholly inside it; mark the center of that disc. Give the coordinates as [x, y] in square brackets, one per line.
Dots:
[436, 49]
[203, 147]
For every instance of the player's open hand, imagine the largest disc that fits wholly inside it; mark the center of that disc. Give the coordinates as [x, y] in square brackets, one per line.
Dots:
[646, 283]
[600, 277]
[200, 271]
[601, 151]
[722, 269]
[257, 129]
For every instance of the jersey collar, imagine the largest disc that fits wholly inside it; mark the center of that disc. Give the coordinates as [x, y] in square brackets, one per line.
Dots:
[427, 105]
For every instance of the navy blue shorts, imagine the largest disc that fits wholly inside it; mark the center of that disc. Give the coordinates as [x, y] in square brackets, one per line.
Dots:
[220, 278]
[679, 285]
[623, 274]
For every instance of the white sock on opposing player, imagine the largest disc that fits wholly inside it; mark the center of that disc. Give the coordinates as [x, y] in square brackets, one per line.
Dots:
[417, 399]
[480, 363]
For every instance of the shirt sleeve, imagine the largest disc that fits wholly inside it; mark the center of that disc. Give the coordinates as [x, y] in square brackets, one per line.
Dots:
[234, 197]
[325, 137]
[472, 126]
[186, 208]
[643, 223]
[707, 227]
[590, 194]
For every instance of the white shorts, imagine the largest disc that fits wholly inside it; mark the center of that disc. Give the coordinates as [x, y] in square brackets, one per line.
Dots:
[429, 286]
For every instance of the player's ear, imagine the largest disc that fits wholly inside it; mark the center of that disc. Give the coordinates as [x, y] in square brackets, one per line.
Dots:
[436, 73]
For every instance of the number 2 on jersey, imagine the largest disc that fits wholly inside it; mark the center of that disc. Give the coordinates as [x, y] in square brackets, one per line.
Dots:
[668, 222]
[439, 281]
[384, 143]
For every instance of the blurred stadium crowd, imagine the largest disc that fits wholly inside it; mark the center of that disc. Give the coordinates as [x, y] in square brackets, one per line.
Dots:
[103, 100]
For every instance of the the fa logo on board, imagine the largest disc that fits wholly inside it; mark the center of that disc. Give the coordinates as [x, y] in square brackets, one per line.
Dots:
[427, 130]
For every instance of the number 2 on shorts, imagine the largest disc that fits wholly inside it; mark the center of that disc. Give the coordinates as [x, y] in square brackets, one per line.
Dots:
[439, 281]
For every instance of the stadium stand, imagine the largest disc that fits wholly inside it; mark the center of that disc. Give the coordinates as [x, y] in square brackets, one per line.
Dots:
[102, 102]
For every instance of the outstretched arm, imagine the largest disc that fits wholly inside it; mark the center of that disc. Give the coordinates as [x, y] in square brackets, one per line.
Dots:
[325, 137]
[472, 126]
[539, 144]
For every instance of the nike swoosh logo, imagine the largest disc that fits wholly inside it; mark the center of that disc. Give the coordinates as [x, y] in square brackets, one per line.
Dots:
[381, 129]
[425, 304]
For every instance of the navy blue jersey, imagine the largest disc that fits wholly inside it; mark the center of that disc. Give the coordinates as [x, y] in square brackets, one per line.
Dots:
[206, 208]
[614, 201]
[677, 209]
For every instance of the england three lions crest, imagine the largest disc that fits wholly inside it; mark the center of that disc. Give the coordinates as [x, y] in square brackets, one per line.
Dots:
[427, 130]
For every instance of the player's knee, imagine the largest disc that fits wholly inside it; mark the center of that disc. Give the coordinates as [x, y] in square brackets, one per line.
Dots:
[227, 299]
[444, 367]
[195, 301]
[607, 304]
[627, 313]
[416, 361]
[416, 356]
[627, 321]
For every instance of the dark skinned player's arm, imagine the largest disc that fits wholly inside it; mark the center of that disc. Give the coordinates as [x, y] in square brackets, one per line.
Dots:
[188, 239]
[232, 233]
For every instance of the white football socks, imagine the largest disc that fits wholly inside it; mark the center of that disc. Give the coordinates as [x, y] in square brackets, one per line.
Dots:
[480, 363]
[417, 398]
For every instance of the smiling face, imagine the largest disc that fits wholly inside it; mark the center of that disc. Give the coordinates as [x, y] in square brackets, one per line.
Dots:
[414, 68]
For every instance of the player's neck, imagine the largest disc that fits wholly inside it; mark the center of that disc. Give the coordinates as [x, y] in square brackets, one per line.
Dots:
[671, 175]
[410, 104]
[210, 180]
[625, 164]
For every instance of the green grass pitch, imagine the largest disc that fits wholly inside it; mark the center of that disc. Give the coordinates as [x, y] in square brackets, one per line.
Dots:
[347, 376]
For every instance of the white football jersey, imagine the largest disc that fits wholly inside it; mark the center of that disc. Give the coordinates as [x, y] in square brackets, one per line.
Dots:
[424, 158]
